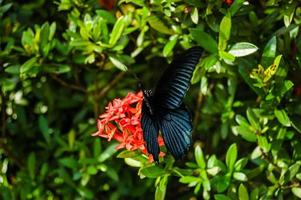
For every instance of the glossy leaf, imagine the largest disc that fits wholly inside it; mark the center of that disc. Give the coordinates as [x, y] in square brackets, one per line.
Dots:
[152, 171]
[243, 193]
[282, 117]
[118, 64]
[242, 49]
[204, 40]
[158, 25]
[118, 29]
[199, 157]
[170, 45]
[231, 156]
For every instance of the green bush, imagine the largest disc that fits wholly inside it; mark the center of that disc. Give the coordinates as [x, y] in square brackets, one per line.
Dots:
[61, 62]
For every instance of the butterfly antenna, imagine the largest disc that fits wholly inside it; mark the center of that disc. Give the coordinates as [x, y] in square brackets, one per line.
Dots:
[140, 87]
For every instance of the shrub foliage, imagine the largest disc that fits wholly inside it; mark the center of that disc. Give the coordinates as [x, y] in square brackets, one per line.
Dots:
[62, 61]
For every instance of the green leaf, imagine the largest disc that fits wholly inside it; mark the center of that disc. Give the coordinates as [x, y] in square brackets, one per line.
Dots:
[263, 143]
[4, 8]
[92, 170]
[43, 125]
[161, 188]
[118, 64]
[152, 171]
[224, 32]
[269, 52]
[107, 153]
[244, 129]
[189, 180]
[133, 162]
[195, 16]
[227, 57]
[170, 45]
[254, 194]
[44, 36]
[204, 40]
[85, 192]
[231, 157]
[106, 15]
[118, 29]
[242, 49]
[297, 192]
[68, 162]
[240, 164]
[235, 6]
[282, 117]
[243, 193]
[13, 69]
[27, 38]
[96, 147]
[289, 14]
[213, 171]
[253, 119]
[220, 183]
[52, 29]
[199, 157]
[256, 153]
[71, 138]
[294, 169]
[221, 197]
[158, 25]
[127, 154]
[31, 165]
[240, 176]
[205, 64]
[28, 65]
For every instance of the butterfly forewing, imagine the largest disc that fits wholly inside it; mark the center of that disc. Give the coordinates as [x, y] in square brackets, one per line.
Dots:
[175, 81]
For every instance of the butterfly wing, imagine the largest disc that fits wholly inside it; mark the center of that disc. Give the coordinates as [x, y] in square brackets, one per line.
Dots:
[150, 132]
[168, 113]
[176, 127]
[175, 81]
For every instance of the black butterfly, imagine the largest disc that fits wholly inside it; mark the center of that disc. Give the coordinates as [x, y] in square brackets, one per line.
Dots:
[164, 110]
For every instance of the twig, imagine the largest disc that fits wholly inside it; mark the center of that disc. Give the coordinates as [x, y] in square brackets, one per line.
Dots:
[105, 89]
[294, 184]
[267, 159]
[72, 86]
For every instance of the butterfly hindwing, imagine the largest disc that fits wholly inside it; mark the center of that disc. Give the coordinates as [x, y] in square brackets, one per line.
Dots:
[175, 81]
[176, 127]
[150, 132]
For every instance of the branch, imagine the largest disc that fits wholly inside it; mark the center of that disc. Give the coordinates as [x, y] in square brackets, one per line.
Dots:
[111, 84]
[68, 85]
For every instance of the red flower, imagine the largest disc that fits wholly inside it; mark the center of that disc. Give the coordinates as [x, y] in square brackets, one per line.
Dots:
[229, 2]
[121, 122]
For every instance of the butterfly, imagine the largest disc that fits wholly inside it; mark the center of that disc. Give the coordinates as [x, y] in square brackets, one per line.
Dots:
[163, 109]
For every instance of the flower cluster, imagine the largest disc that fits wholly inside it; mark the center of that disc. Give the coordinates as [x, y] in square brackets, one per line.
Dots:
[121, 122]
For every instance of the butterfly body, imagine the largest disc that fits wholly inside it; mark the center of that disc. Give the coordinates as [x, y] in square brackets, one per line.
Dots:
[163, 110]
